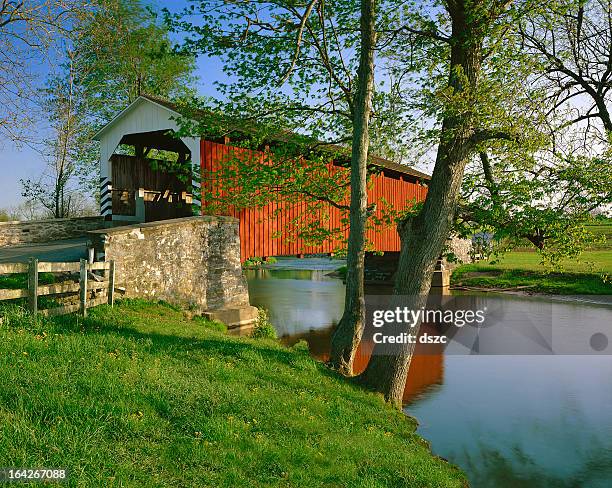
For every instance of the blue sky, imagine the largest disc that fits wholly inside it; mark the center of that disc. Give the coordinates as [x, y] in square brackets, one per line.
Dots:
[22, 163]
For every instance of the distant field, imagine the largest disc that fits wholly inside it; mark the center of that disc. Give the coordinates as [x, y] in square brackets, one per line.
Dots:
[604, 229]
[589, 276]
[589, 262]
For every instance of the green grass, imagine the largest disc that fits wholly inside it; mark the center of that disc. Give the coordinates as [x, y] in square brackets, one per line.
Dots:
[589, 276]
[602, 230]
[142, 396]
[20, 280]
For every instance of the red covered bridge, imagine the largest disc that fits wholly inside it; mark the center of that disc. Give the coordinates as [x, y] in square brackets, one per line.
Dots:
[133, 190]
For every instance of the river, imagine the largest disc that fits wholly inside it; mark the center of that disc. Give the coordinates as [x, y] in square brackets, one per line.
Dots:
[537, 420]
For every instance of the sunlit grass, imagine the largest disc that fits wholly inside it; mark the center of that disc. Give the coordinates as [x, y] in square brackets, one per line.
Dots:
[590, 275]
[142, 396]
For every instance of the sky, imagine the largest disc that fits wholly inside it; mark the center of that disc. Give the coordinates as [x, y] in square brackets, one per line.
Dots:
[17, 163]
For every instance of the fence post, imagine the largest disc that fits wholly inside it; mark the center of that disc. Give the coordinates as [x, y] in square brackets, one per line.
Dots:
[111, 284]
[83, 286]
[33, 285]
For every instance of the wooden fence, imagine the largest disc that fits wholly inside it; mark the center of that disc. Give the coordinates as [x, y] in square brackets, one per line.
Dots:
[83, 286]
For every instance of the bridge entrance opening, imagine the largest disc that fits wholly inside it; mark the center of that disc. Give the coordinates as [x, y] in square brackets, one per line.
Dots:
[152, 177]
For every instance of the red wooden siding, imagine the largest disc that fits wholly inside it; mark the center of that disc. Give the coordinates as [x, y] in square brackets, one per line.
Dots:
[259, 225]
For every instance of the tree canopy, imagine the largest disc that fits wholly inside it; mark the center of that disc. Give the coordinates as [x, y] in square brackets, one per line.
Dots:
[30, 35]
[116, 50]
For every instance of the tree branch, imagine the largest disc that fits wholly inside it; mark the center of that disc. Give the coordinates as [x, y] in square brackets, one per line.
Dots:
[298, 40]
[483, 135]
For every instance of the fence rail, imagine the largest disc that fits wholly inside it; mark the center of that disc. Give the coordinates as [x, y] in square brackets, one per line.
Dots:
[106, 281]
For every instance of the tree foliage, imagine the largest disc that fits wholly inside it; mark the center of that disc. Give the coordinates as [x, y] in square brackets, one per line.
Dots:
[59, 189]
[125, 50]
[290, 92]
[117, 49]
[30, 33]
[545, 193]
[546, 205]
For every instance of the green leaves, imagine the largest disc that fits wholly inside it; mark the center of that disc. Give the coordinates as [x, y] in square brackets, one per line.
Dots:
[124, 50]
[546, 202]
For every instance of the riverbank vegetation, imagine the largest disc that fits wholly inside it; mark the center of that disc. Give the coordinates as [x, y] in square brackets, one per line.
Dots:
[591, 275]
[139, 395]
[257, 262]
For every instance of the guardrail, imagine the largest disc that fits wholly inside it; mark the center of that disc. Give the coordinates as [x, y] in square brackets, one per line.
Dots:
[87, 282]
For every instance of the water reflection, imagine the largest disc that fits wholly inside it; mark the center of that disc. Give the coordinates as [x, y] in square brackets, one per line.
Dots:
[306, 304]
[523, 420]
[508, 421]
[298, 301]
[426, 368]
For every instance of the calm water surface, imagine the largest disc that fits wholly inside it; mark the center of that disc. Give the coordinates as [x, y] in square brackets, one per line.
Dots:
[507, 421]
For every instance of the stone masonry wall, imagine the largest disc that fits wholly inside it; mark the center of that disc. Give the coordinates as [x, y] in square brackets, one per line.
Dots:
[21, 233]
[192, 261]
[461, 248]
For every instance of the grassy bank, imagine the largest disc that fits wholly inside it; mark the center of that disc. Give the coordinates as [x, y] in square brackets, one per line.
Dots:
[589, 276]
[141, 396]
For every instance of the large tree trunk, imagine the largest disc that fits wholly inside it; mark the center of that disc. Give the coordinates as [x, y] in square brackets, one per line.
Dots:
[423, 237]
[348, 333]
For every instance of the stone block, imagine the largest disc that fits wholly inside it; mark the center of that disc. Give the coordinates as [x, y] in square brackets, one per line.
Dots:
[233, 317]
[36, 231]
[440, 282]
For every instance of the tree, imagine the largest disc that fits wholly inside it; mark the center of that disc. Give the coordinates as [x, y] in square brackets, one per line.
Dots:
[56, 190]
[348, 333]
[572, 40]
[28, 32]
[545, 202]
[125, 51]
[476, 28]
[294, 68]
[546, 196]
[27, 210]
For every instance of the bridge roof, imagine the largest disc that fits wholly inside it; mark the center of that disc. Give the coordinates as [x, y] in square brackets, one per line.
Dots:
[376, 160]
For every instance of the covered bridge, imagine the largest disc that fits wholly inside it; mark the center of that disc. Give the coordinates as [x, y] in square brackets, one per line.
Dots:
[134, 188]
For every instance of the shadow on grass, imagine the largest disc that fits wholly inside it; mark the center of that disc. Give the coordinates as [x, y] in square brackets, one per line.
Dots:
[216, 344]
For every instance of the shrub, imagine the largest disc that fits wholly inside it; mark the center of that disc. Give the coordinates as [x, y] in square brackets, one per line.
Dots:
[256, 262]
[263, 329]
[253, 262]
[301, 346]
